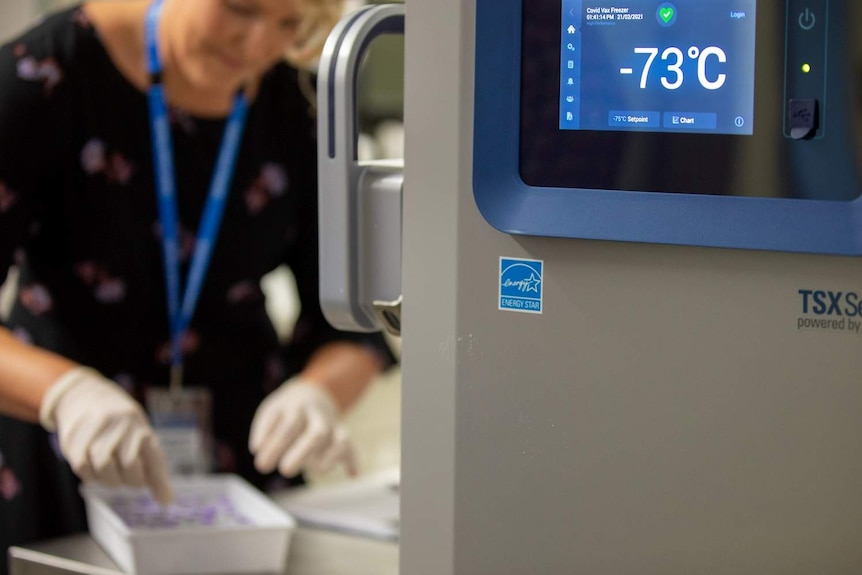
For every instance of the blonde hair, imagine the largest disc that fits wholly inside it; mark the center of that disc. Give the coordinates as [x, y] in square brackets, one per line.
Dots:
[319, 17]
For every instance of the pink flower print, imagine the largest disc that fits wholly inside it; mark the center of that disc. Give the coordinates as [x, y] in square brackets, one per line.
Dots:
[106, 287]
[274, 179]
[256, 198]
[36, 299]
[46, 71]
[111, 290]
[10, 487]
[9, 484]
[79, 17]
[243, 291]
[270, 183]
[189, 344]
[87, 272]
[93, 158]
[120, 170]
[28, 68]
[22, 335]
[8, 197]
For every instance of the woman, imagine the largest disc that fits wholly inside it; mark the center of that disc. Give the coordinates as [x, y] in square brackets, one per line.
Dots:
[107, 238]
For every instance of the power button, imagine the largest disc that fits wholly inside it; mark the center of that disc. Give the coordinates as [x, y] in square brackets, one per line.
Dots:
[807, 19]
[805, 65]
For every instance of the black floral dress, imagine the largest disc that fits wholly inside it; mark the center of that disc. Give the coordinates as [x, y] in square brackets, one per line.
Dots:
[78, 217]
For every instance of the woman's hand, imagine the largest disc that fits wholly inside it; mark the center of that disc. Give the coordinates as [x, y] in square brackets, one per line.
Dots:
[297, 426]
[104, 433]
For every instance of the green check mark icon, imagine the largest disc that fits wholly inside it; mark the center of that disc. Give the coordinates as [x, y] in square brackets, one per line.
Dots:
[666, 14]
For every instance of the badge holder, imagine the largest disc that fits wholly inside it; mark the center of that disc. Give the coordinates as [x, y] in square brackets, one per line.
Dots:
[182, 420]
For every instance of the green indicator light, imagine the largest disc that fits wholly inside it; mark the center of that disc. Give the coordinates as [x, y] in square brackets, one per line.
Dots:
[806, 68]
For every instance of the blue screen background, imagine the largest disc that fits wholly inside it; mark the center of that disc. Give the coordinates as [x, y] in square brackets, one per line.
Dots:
[595, 95]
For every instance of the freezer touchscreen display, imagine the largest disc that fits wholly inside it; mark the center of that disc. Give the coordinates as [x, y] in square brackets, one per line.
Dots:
[654, 66]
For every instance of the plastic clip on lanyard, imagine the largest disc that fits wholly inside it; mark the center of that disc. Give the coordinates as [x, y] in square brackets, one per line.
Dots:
[180, 312]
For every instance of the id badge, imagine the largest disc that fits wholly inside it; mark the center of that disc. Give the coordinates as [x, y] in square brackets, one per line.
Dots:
[181, 419]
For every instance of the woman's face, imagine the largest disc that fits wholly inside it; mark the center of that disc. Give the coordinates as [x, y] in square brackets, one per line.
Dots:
[221, 44]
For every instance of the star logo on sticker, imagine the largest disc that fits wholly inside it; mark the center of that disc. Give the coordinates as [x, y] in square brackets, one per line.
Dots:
[532, 283]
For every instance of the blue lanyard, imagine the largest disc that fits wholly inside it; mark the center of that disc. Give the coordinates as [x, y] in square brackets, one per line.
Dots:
[180, 312]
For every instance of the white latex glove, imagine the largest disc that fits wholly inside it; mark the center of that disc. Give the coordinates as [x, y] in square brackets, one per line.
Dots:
[104, 433]
[297, 426]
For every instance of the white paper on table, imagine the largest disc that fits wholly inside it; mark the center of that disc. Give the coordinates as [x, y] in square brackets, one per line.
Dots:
[367, 506]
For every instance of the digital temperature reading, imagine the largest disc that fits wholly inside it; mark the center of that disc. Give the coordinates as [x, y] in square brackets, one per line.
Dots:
[674, 69]
[684, 66]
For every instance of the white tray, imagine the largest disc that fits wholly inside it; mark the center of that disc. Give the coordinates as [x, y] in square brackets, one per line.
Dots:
[251, 533]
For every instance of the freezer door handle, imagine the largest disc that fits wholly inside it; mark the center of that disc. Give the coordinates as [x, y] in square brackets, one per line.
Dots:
[359, 203]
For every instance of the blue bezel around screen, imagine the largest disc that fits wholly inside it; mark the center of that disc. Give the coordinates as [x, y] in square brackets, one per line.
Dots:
[512, 206]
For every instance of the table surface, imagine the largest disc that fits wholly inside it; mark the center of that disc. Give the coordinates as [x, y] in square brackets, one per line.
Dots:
[312, 552]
